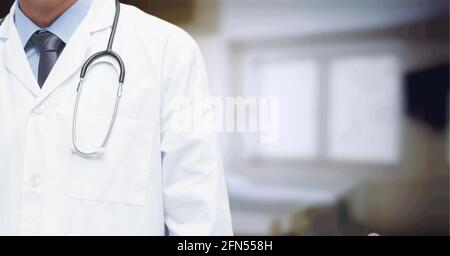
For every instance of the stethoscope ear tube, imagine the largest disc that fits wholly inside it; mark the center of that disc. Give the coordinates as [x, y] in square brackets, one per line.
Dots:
[103, 54]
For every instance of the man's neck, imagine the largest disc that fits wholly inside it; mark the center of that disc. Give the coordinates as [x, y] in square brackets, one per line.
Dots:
[44, 12]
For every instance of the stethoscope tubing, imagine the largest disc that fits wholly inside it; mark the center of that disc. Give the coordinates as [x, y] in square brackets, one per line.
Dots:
[107, 53]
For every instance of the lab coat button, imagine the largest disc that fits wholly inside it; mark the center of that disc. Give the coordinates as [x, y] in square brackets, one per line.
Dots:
[35, 181]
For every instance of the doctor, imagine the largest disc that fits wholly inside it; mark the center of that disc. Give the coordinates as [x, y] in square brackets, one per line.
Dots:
[147, 177]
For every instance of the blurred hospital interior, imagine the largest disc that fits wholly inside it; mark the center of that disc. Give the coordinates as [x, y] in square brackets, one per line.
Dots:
[363, 88]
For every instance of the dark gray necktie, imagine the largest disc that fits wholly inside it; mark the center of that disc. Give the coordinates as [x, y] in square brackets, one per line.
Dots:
[49, 47]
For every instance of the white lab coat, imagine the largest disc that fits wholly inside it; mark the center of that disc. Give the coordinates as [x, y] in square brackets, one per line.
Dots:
[149, 177]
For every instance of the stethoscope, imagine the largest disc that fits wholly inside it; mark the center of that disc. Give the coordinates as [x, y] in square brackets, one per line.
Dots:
[103, 54]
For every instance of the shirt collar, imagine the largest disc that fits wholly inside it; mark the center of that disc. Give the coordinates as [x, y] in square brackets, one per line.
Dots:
[63, 27]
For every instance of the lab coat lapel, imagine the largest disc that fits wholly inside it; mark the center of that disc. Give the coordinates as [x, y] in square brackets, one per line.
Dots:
[14, 57]
[79, 48]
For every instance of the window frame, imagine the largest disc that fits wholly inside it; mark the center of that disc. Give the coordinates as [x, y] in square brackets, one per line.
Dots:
[324, 52]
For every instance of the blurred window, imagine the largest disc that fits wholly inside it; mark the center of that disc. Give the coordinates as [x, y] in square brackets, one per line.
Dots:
[334, 108]
[296, 83]
[364, 109]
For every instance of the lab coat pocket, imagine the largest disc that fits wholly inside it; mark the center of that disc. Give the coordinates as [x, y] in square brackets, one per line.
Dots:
[120, 175]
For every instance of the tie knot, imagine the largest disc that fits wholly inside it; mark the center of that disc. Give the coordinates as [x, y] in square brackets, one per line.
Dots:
[46, 41]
